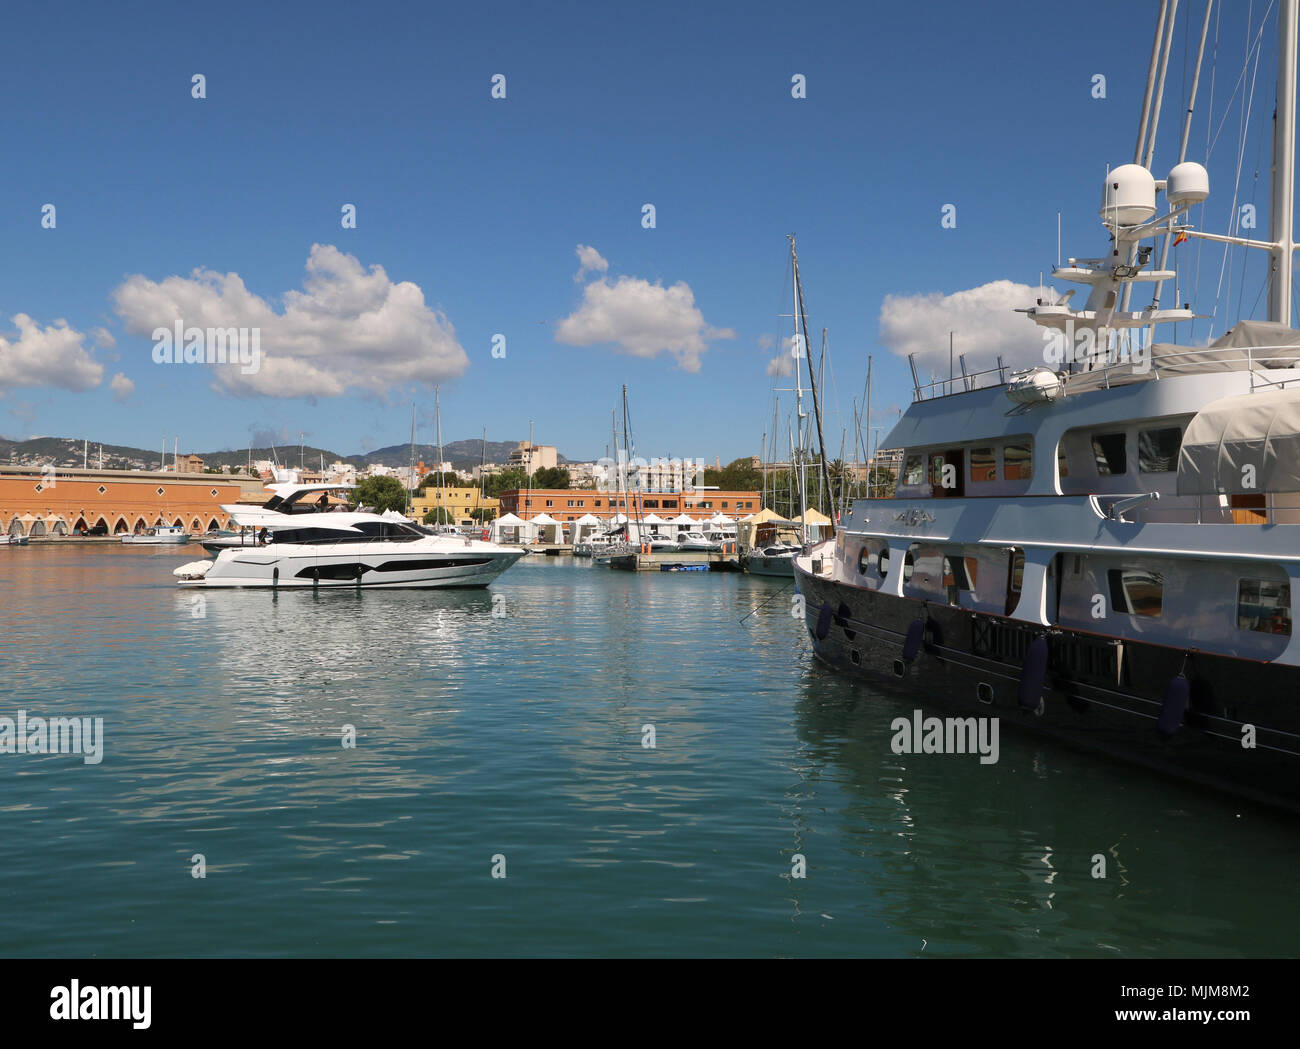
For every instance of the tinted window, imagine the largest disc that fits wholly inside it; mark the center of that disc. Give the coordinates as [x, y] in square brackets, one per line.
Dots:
[915, 470]
[1264, 605]
[1158, 450]
[1017, 462]
[1136, 591]
[983, 464]
[1111, 453]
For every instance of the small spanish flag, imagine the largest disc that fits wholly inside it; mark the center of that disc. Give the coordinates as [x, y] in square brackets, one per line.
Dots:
[1179, 239]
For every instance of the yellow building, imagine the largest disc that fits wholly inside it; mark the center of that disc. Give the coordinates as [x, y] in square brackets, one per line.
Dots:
[459, 502]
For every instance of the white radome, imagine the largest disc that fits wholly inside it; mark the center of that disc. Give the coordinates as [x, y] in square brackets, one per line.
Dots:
[1189, 183]
[1129, 198]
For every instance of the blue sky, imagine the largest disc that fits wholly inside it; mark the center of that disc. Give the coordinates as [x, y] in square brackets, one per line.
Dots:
[482, 203]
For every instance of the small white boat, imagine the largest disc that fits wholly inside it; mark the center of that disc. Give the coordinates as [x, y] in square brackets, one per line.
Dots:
[698, 541]
[13, 540]
[162, 535]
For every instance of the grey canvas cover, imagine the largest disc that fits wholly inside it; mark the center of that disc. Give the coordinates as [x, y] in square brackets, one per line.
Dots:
[1246, 444]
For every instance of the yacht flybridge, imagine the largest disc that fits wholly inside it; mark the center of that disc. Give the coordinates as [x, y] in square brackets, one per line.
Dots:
[1105, 548]
[298, 538]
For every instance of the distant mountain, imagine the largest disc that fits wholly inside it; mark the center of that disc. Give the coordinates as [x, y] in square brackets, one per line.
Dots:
[67, 452]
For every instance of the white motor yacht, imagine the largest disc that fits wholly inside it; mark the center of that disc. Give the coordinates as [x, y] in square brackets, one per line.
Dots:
[162, 535]
[296, 547]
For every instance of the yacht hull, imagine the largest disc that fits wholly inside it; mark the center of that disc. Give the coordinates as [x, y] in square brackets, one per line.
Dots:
[326, 568]
[1097, 694]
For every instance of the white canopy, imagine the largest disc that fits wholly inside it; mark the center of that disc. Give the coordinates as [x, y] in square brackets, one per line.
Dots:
[587, 519]
[509, 521]
[720, 518]
[1244, 444]
[618, 519]
[682, 519]
[654, 519]
[544, 519]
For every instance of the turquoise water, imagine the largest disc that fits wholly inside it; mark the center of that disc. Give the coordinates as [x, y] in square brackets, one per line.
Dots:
[521, 736]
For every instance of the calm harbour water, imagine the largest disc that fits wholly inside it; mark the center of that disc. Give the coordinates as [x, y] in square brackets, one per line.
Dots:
[522, 736]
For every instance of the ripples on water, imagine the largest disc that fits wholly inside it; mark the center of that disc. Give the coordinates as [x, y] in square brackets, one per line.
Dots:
[521, 736]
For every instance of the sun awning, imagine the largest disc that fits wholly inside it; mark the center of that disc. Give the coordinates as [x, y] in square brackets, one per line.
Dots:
[1246, 444]
[509, 521]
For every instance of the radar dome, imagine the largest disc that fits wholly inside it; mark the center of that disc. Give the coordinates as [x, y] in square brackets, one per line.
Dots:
[1130, 195]
[1189, 183]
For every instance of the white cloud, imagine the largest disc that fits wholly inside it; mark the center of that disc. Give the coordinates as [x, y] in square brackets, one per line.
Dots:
[982, 319]
[589, 261]
[642, 319]
[121, 386]
[103, 337]
[781, 364]
[49, 356]
[349, 328]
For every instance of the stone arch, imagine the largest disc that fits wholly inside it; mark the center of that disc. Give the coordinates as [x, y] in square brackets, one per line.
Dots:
[140, 525]
[121, 527]
[196, 525]
[80, 525]
[37, 528]
[101, 521]
[213, 525]
[60, 527]
[15, 526]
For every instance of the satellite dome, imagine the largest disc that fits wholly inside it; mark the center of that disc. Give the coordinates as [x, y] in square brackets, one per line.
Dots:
[1189, 183]
[1129, 198]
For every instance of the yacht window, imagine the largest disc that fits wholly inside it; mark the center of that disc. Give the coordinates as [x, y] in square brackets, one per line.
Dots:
[882, 563]
[959, 572]
[1062, 463]
[1018, 462]
[909, 566]
[1017, 571]
[1264, 605]
[1158, 449]
[1136, 591]
[1111, 453]
[864, 560]
[983, 464]
[915, 471]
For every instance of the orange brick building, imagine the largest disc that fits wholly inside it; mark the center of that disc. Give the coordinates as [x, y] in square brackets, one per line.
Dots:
[568, 504]
[36, 500]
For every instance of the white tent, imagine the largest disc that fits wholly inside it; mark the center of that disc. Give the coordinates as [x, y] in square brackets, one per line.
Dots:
[516, 526]
[584, 526]
[618, 519]
[548, 528]
[721, 519]
[653, 519]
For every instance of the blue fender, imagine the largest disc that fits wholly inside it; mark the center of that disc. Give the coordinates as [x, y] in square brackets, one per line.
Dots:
[912, 643]
[1177, 694]
[824, 621]
[1033, 675]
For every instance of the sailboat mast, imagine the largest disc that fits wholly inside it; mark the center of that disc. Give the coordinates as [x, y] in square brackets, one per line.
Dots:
[442, 477]
[817, 411]
[1281, 210]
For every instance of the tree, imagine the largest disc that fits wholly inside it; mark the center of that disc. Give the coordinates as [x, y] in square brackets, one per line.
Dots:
[483, 513]
[450, 479]
[882, 483]
[737, 476]
[383, 493]
[438, 516]
[505, 481]
[551, 477]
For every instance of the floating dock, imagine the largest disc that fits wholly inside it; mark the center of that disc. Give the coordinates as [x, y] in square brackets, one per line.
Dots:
[676, 561]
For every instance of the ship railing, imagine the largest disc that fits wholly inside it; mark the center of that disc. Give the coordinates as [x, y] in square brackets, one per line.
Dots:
[955, 384]
[1253, 359]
